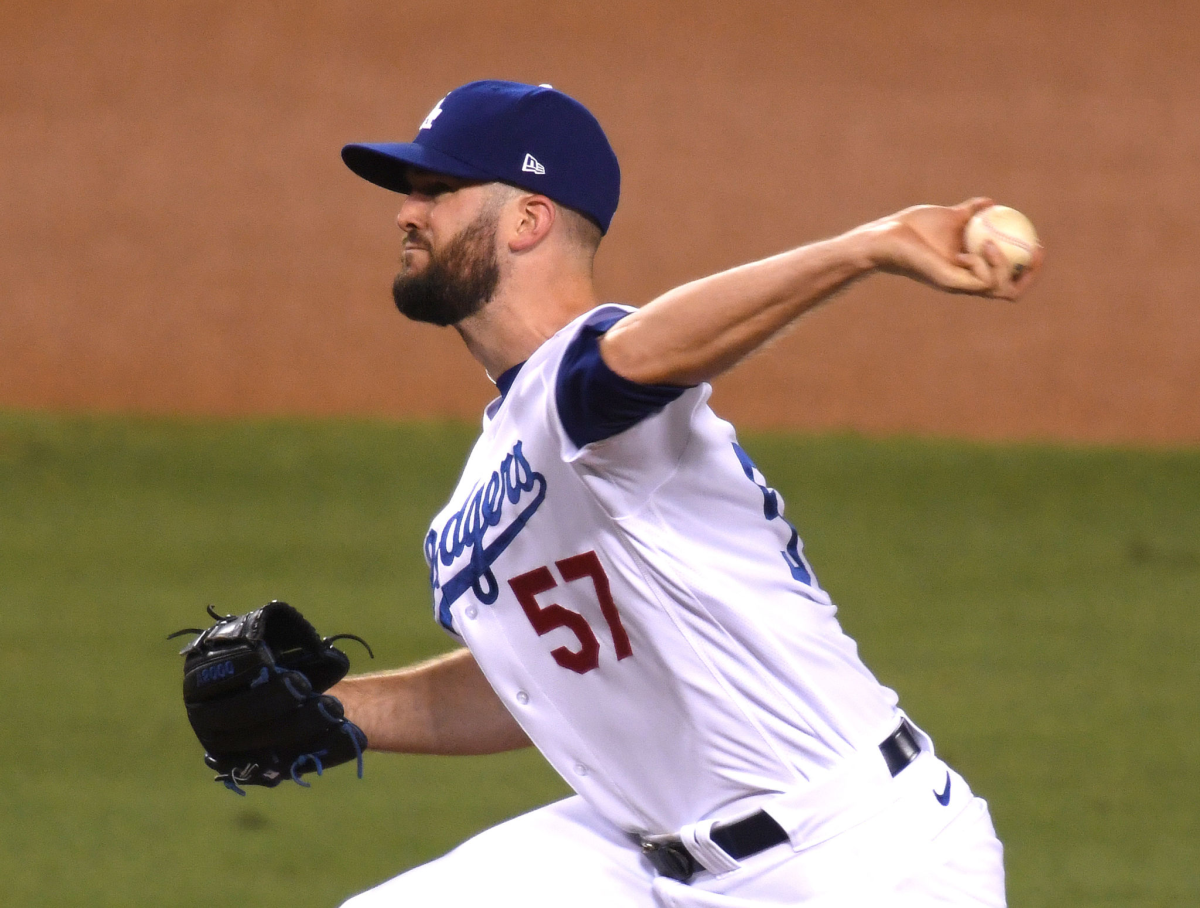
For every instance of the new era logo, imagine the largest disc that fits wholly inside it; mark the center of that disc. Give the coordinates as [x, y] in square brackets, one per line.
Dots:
[533, 165]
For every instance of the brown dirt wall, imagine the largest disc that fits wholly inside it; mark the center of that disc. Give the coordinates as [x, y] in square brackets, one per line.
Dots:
[178, 234]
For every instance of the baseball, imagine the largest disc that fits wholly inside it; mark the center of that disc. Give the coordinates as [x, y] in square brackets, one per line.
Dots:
[1010, 230]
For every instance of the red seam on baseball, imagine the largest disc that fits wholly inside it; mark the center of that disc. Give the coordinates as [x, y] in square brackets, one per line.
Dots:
[1016, 241]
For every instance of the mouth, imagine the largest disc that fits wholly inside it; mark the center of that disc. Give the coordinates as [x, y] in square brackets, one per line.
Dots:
[409, 251]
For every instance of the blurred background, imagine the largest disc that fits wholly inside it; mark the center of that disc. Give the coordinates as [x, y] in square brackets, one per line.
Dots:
[178, 233]
[206, 395]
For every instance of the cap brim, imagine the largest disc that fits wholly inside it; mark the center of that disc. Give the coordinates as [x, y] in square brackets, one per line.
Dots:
[387, 164]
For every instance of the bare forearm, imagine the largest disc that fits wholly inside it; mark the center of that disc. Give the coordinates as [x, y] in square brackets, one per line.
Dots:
[444, 706]
[699, 330]
[695, 332]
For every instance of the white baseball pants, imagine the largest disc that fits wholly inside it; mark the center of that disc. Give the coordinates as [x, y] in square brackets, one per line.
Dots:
[915, 852]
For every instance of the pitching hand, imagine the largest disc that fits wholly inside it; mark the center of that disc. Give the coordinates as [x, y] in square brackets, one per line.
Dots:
[926, 243]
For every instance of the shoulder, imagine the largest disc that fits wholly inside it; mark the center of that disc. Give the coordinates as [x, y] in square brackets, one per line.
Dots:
[594, 321]
[594, 403]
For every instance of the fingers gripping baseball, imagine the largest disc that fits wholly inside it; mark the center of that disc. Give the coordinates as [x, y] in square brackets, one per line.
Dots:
[1007, 242]
[927, 243]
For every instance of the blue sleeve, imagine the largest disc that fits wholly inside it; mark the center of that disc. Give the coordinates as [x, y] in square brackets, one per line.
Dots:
[594, 402]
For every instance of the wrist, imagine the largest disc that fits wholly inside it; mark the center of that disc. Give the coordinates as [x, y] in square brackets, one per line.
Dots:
[865, 248]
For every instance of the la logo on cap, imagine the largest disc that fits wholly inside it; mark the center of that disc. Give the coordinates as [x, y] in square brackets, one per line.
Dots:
[433, 115]
[532, 165]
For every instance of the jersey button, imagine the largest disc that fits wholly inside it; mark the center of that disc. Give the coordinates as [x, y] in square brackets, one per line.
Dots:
[580, 769]
[522, 697]
[472, 611]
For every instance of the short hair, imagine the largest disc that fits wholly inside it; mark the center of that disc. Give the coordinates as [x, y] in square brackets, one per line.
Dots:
[580, 230]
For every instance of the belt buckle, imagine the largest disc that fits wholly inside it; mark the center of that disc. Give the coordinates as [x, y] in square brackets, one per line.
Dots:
[671, 859]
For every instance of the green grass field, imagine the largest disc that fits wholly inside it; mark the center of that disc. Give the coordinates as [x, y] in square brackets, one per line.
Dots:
[1036, 608]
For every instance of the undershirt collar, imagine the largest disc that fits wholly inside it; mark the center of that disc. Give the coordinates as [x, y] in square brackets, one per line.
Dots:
[505, 381]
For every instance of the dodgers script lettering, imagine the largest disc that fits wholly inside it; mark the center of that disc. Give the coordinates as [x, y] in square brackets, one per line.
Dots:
[515, 483]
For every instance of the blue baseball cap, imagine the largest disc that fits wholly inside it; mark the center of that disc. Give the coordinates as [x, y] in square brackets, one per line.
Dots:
[531, 136]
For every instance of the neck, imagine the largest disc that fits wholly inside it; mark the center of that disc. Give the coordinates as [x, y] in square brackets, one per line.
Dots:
[522, 316]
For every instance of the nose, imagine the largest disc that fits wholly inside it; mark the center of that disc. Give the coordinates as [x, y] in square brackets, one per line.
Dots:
[412, 213]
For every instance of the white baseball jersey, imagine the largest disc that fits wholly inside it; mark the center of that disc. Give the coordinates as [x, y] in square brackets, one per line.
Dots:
[643, 607]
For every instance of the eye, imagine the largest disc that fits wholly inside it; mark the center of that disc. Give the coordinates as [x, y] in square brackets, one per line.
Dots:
[431, 190]
[432, 186]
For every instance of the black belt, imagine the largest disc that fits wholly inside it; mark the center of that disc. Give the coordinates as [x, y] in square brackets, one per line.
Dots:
[759, 831]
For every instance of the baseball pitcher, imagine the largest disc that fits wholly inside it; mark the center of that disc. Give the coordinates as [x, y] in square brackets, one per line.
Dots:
[630, 592]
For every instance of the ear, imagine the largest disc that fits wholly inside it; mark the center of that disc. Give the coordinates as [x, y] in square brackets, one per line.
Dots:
[534, 216]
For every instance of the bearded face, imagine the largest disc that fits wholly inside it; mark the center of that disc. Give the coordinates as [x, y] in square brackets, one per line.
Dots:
[458, 279]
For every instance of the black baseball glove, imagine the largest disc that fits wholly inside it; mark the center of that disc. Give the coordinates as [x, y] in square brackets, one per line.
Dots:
[254, 688]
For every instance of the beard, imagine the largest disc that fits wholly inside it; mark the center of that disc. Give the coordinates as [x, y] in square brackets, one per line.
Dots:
[458, 281]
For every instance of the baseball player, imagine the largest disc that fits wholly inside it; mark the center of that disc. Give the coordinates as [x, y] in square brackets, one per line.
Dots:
[632, 596]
